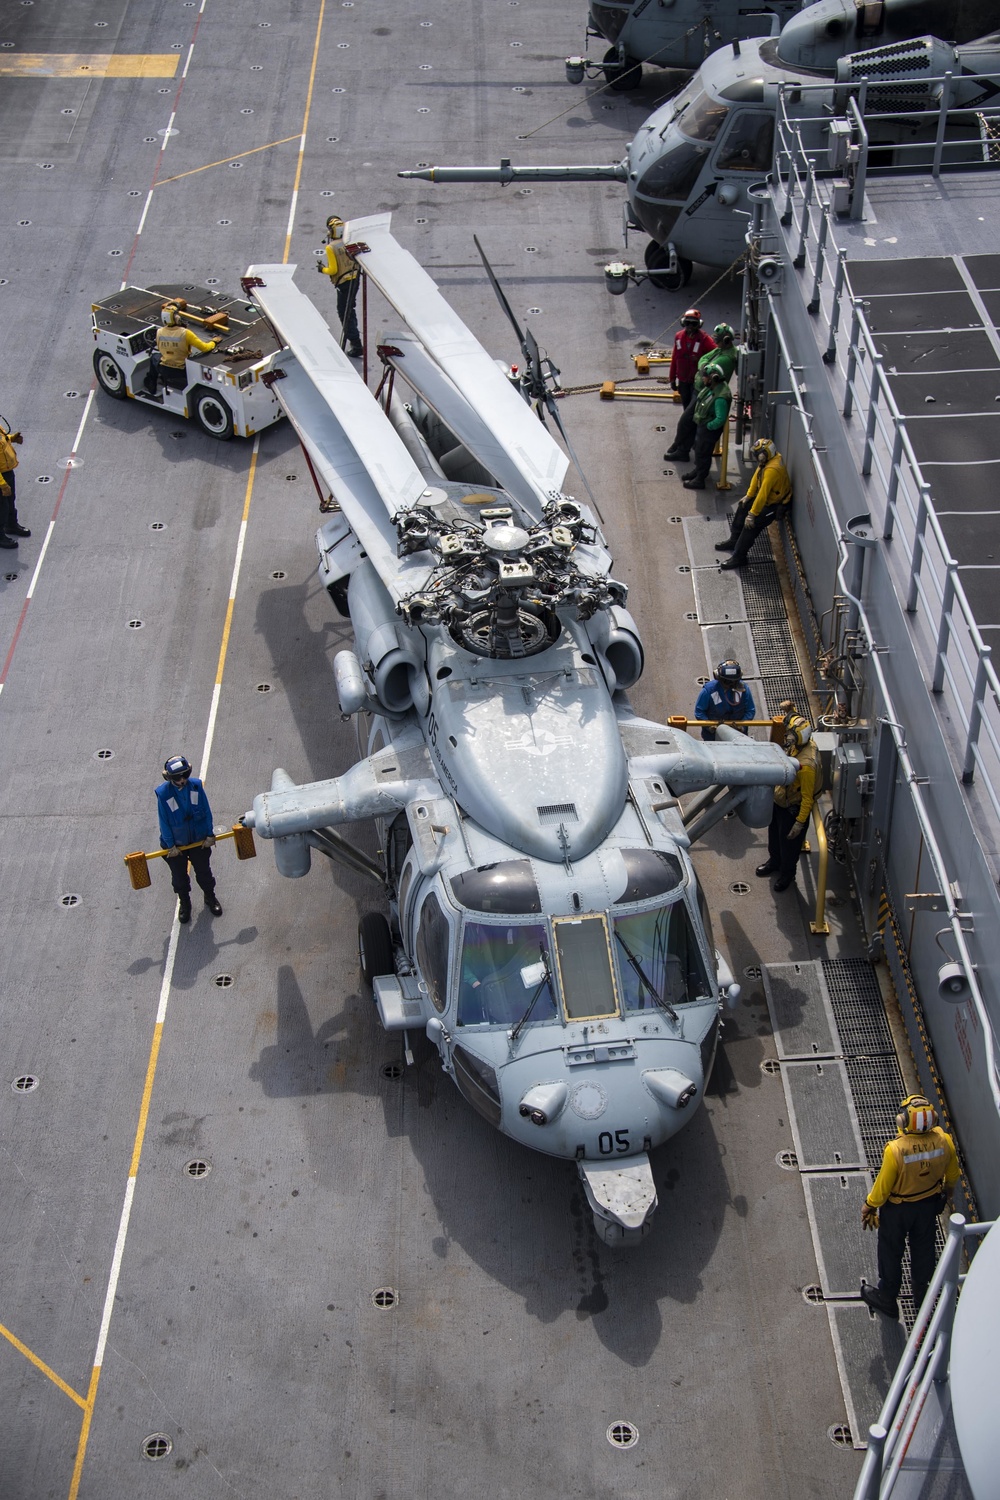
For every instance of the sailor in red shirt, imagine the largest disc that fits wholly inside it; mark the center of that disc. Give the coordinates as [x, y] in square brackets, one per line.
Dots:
[689, 345]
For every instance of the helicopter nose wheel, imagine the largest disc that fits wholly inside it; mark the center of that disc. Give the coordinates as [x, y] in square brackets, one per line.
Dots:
[621, 77]
[657, 259]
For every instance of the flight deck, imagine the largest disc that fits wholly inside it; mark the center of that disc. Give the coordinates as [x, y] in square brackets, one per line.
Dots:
[247, 1249]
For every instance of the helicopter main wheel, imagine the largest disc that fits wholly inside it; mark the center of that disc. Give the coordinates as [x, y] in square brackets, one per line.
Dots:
[374, 946]
[621, 77]
[110, 375]
[213, 415]
[657, 258]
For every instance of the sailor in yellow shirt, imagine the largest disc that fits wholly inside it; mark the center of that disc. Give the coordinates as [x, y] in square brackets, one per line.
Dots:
[10, 526]
[793, 805]
[343, 272]
[919, 1171]
[768, 495]
[173, 343]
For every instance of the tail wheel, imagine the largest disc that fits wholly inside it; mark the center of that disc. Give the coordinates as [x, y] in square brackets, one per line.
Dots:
[657, 259]
[621, 77]
[213, 415]
[110, 375]
[375, 946]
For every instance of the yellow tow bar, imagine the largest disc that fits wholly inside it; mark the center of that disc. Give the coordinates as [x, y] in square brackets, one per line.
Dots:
[609, 392]
[137, 864]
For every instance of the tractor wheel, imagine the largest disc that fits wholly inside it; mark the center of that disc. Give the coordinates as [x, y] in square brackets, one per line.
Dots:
[213, 415]
[110, 375]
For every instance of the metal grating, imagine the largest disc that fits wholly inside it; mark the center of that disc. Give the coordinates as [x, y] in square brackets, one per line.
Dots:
[773, 643]
[876, 1088]
[857, 1007]
[762, 588]
[776, 689]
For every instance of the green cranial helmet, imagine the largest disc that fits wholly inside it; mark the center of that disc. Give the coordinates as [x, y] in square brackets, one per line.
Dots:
[724, 331]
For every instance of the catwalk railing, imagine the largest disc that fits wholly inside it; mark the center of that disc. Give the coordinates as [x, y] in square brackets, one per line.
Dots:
[947, 642]
[954, 656]
[924, 1362]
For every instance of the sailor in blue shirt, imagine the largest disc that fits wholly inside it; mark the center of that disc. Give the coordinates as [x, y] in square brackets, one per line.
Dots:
[725, 699]
[186, 818]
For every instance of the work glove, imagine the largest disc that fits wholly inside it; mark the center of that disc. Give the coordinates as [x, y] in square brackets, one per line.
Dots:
[208, 842]
[4, 489]
[16, 437]
[869, 1216]
[171, 853]
[795, 832]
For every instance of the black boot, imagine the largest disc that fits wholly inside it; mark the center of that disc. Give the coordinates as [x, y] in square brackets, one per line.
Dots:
[880, 1301]
[727, 545]
[184, 908]
[212, 902]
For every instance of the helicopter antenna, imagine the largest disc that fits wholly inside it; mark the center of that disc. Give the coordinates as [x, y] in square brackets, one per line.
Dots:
[541, 375]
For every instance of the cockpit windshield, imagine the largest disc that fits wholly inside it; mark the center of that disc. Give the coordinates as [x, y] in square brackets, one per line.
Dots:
[698, 115]
[504, 967]
[659, 960]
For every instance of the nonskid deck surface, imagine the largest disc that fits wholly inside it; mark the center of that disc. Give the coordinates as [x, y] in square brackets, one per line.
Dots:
[227, 1308]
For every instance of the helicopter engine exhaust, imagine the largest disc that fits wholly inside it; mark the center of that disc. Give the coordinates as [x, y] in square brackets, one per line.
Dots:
[383, 646]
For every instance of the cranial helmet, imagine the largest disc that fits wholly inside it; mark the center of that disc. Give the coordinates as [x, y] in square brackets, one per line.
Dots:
[723, 331]
[715, 373]
[798, 731]
[333, 222]
[763, 449]
[168, 316]
[916, 1114]
[692, 316]
[177, 768]
[729, 671]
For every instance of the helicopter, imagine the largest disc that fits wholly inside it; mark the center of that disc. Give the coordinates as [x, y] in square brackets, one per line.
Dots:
[546, 927]
[693, 167]
[668, 35]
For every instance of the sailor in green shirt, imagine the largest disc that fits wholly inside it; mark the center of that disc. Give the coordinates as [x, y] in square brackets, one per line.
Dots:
[711, 413]
[726, 356]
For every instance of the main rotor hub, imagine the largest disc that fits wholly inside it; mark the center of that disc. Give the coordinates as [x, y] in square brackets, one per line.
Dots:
[498, 586]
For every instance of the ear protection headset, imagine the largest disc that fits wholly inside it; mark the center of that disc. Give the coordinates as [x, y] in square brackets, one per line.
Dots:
[916, 1115]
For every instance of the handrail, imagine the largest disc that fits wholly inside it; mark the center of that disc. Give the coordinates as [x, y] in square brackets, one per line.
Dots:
[924, 1360]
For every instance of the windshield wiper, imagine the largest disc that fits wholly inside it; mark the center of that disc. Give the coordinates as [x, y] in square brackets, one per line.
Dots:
[531, 1003]
[659, 999]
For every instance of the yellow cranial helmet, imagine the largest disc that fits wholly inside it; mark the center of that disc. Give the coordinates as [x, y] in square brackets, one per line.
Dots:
[763, 449]
[168, 314]
[334, 222]
[798, 732]
[916, 1114]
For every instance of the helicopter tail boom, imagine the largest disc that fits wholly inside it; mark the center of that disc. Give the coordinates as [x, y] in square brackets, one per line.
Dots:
[504, 173]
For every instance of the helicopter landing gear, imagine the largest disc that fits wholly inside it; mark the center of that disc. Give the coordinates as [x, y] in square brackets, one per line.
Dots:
[374, 946]
[667, 270]
[621, 77]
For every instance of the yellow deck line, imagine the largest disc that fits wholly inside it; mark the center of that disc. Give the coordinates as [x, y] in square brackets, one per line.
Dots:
[40, 1364]
[89, 65]
[305, 126]
[238, 157]
[154, 1051]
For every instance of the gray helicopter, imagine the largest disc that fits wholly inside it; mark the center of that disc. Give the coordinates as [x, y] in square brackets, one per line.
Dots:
[546, 927]
[691, 168]
[668, 34]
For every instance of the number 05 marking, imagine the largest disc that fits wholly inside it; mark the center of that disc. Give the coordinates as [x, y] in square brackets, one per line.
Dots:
[608, 1145]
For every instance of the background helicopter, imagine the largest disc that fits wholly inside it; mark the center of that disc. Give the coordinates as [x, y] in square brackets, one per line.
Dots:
[668, 34]
[690, 168]
[546, 925]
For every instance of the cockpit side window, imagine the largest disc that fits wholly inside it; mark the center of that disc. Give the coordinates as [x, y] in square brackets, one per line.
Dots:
[749, 145]
[432, 951]
[703, 118]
